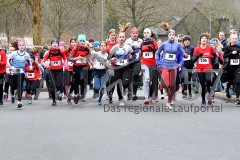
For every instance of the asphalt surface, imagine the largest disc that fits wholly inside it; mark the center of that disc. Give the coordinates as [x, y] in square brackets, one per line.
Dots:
[91, 132]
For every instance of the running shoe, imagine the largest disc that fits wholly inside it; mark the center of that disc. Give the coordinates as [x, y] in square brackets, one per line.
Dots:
[156, 99]
[168, 106]
[29, 101]
[134, 98]
[1, 104]
[110, 100]
[184, 95]
[75, 99]
[95, 95]
[162, 96]
[203, 104]
[190, 96]
[13, 100]
[146, 101]
[54, 103]
[19, 104]
[59, 96]
[228, 94]
[122, 103]
[99, 102]
[237, 102]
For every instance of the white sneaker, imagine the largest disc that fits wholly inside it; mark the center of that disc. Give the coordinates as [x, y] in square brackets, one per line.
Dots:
[172, 102]
[168, 106]
[19, 104]
[122, 103]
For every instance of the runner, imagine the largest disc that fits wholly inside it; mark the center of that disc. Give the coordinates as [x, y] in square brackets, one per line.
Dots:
[69, 73]
[79, 57]
[33, 77]
[99, 72]
[170, 60]
[56, 59]
[120, 55]
[17, 62]
[202, 56]
[13, 47]
[135, 65]
[111, 41]
[3, 62]
[187, 67]
[231, 53]
[148, 63]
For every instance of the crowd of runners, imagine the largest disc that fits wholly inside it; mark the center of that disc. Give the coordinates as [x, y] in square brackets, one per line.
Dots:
[147, 63]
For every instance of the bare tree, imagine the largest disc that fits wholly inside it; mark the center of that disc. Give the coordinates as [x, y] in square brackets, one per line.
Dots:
[36, 20]
[141, 13]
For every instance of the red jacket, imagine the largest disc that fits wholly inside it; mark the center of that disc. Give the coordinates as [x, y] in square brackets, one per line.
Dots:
[3, 61]
[33, 74]
[56, 58]
[83, 52]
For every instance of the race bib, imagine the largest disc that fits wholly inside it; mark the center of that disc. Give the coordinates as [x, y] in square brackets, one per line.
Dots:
[147, 54]
[70, 64]
[55, 63]
[30, 75]
[81, 60]
[187, 59]
[234, 62]
[121, 62]
[99, 64]
[203, 61]
[170, 57]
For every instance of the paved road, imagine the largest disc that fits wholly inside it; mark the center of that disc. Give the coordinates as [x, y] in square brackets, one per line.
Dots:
[43, 132]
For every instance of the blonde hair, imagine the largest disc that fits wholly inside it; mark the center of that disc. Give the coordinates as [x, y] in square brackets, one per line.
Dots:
[218, 43]
[110, 32]
[124, 27]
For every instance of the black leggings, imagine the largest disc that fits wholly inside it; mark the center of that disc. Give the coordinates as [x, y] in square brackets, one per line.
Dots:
[7, 83]
[16, 82]
[122, 74]
[31, 86]
[55, 82]
[1, 85]
[205, 80]
[187, 86]
[80, 75]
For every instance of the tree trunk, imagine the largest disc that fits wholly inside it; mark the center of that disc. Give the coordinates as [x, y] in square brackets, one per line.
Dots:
[36, 21]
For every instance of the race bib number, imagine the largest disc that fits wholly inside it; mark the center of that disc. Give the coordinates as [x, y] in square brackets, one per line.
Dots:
[187, 59]
[121, 62]
[55, 63]
[99, 64]
[30, 75]
[234, 62]
[170, 57]
[147, 54]
[70, 64]
[203, 61]
[81, 60]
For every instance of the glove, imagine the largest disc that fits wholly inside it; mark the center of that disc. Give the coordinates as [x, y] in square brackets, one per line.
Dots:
[133, 48]
[200, 55]
[151, 48]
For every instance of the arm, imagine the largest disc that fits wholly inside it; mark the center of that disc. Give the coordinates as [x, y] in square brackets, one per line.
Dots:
[112, 52]
[3, 61]
[157, 54]
[227, 52]
[196, 55]
[71, 57]
[45, 57]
